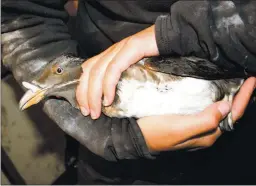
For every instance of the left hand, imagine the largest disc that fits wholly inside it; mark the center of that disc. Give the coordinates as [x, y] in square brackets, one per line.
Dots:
[195, 131]
[101, 73]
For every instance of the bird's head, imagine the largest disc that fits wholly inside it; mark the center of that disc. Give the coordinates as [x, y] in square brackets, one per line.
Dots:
[58, 78]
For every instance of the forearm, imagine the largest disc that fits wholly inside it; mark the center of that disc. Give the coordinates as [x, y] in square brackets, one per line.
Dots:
[110, 138]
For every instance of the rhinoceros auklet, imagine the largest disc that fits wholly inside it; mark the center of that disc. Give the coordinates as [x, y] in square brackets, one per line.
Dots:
[149, 87]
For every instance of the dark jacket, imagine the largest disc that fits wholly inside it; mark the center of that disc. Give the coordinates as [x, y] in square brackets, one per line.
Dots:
[35, 32]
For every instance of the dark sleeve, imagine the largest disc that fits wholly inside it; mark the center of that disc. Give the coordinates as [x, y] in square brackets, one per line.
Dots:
[35, 32]
[221, 31]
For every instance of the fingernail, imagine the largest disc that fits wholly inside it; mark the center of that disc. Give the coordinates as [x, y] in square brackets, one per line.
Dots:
[84, 111]
[93, 115]
[224, 108]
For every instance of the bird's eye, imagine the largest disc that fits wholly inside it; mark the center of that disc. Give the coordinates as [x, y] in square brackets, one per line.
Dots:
[59, 70]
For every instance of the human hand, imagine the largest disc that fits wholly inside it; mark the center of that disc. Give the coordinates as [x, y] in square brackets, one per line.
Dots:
[173, 132]
[101, 73]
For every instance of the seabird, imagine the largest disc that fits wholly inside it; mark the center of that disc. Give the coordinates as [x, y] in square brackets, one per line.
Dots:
[153, 86]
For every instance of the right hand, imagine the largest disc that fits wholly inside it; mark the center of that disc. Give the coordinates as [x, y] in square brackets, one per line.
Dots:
[173, 132]
[102, 72]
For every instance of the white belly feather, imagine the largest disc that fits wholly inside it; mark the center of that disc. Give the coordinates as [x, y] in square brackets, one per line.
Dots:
[185, 96]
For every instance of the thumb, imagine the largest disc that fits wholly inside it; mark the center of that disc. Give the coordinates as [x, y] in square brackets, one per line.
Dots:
[210, 118]
[220, 109]
[205, 121]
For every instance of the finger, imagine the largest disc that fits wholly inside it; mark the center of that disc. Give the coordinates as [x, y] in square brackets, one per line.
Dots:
[200, 142]
[96, 81]
[242, 98]
[129, 54]
[82, 88]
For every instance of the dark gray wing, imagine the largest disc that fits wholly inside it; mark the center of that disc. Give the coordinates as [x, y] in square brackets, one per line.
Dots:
[192, 67]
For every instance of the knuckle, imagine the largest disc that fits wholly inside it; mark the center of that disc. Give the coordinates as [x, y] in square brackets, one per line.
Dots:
[112, 65]
[113, 68]
[95, 72]
[132, 40]
[88, 63]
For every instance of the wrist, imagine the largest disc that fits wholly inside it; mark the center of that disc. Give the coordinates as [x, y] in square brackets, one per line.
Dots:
[156, 132]
[147, 41]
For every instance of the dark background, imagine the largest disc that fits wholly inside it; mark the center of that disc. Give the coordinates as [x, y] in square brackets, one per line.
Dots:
[231, 160]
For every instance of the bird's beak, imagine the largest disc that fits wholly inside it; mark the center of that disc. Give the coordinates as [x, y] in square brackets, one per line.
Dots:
[33, 96]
